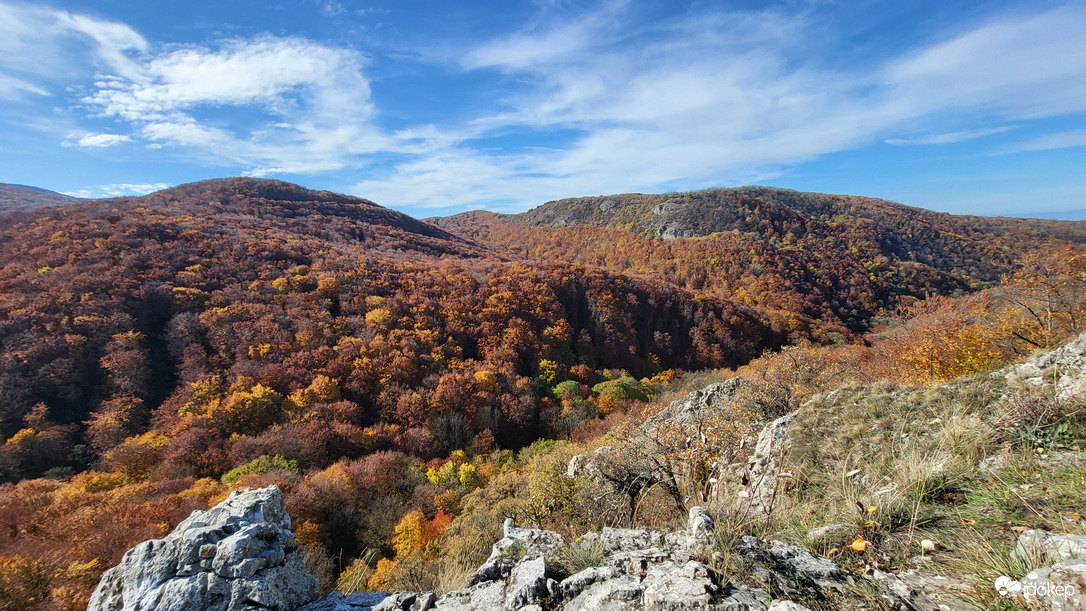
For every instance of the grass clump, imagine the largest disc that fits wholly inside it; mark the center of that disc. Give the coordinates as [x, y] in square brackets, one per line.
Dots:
[574, 557]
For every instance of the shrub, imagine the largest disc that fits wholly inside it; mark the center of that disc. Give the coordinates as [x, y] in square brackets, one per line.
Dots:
[261, 465]
[23, 582]
[622, 389]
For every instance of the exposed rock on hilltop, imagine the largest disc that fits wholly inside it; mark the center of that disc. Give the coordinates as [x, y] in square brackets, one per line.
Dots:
[932, 238]
[239, 555]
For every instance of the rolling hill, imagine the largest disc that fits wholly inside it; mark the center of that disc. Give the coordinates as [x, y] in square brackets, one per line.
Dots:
[14, 198]
[156, 310]
[822, 263]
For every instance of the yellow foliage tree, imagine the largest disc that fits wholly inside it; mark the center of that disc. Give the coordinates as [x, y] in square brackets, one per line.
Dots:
[409, 536]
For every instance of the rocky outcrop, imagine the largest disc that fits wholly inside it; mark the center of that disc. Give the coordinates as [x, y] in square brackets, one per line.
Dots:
[759, 481]
[1060, 586]
[641, 569]
[238, 555]
[644, 569]
[1061, 371]
[637, 462]
[1036, 545]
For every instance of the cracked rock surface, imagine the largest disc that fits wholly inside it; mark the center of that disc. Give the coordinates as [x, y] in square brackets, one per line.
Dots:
[238, 555]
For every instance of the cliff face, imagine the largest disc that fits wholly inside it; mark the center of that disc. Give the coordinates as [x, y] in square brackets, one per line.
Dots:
[238, 555]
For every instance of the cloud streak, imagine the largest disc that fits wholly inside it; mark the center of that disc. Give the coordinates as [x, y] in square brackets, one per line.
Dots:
[951, 137]
[117, 190]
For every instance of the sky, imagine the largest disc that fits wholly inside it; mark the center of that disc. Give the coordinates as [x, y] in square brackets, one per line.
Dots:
[435, 107]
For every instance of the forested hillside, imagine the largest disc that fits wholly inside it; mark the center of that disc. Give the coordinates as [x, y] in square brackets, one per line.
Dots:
[403, 380]
[206, 311]
[815, 263]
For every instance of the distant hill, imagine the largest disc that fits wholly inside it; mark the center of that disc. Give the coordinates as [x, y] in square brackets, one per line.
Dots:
[824, 263]
[1065, 215]
[952, 243]
[22, 197]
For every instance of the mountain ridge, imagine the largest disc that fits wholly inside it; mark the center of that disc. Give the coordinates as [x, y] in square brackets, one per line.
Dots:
[17, 198]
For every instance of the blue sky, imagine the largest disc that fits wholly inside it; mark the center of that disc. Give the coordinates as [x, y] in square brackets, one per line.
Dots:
[434, 107]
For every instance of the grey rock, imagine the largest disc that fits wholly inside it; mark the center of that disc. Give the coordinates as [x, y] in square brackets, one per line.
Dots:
[764, 463]
[573, 585]
[629, 539]
[895, 591]
[517, 544]
[359, 601]
[913, 590]
[587, 465]
[742, 598]
[237, 555]
[786, 605]
[1061, 587]
[992, 464]
[1060, 372]
[666, 208]
[700, 525]
[679, 588]
[791, 567]
[528, 584]
[1038, 544]
[615, 594]
[488, 595]
[407, 601]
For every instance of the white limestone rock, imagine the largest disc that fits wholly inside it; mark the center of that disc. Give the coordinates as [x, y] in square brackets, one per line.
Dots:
[238, 555]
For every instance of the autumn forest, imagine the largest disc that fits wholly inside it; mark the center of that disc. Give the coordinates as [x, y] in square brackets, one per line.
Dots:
[395, 376]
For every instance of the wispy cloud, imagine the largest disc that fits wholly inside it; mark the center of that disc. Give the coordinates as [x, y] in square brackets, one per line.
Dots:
[1019, 66]
[951, 137]
[96, 140]
[116, 190]
[592, 101]
[41, 48]
[1053, 141]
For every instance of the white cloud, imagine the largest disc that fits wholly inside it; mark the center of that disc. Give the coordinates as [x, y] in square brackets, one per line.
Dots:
[116, 190]
[542, 45]
[1049, 142]
[951, 137]
[96, 140]
[12, 87]
[620, 103]
[42, 47]
[312, 101]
